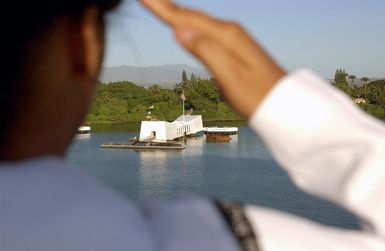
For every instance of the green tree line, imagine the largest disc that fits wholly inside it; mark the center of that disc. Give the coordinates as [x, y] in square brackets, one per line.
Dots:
[372, 92]
[126, 102]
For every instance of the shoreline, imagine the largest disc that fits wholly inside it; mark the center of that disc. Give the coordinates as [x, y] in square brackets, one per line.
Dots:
[125, 122]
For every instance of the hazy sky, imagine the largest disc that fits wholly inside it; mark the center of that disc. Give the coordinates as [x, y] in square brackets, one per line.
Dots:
[320, 34]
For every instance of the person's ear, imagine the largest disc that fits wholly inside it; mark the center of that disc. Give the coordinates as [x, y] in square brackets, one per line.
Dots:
[87, 44]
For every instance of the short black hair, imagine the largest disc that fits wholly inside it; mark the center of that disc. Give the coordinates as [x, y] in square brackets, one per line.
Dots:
[29, 19]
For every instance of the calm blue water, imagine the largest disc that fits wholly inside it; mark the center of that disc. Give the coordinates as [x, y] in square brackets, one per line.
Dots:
[241, 170]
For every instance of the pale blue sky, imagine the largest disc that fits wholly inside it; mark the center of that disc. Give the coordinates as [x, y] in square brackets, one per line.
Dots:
[320, 34]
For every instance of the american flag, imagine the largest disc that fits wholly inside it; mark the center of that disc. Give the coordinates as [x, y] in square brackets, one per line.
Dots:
[182, 96]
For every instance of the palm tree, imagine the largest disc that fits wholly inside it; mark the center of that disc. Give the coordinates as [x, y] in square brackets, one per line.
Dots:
[365, 79]
[352, 77]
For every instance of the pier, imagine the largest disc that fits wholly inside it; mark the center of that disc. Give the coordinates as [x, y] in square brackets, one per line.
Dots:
[144, 146]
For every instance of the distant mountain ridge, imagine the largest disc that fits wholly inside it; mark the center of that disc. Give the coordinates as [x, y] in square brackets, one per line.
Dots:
[164, 75]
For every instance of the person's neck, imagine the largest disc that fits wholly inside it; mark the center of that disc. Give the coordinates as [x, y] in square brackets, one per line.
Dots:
[32, 139]
[11, 152]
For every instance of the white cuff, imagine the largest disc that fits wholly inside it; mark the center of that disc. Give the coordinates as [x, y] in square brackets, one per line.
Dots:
[300, 96]
[329, 146]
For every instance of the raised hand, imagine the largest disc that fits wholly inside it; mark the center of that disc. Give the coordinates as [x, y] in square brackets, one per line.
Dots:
[243, 70]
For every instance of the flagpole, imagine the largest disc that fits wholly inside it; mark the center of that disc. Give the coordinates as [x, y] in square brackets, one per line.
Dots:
[183, 112]
[183, 97]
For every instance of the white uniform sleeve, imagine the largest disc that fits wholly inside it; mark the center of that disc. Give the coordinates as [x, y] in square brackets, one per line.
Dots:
[329, 147]
[278, 231]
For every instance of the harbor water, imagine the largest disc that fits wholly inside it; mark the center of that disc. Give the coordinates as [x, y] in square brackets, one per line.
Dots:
[240, 170]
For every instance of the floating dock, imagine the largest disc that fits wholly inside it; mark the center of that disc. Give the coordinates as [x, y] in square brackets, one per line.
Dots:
[144, 146]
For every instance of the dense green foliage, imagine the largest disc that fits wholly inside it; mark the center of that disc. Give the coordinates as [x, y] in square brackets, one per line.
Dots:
[121, 101]
[340, 76]
[127, 102]
[184, 76]
[373, 93]
[340, 80]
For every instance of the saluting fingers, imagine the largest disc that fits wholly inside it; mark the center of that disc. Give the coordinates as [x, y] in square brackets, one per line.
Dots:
[219, 60]
[164, 9]
[229, 34]
[245, 73]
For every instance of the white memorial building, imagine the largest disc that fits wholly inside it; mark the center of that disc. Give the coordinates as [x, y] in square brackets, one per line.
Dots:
[163, 131]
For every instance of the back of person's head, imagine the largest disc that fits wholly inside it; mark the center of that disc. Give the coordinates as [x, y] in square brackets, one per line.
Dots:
[27, 23]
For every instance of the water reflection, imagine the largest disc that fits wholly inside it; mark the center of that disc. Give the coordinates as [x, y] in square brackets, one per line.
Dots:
[161, 170]
[194, 146]
[83, 136]
[241, 169]
[153, 172]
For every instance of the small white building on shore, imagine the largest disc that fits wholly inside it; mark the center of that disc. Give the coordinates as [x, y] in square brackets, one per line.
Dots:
[163, 131]
[359, 101]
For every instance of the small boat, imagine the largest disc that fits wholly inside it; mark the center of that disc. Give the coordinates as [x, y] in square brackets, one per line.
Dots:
[218, 137]
[219, 134]
[134, 140]
[222, 130]
[84, 130]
